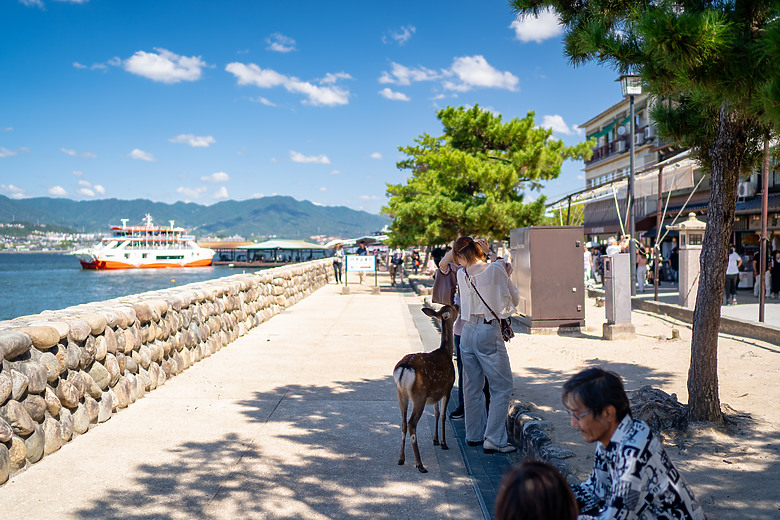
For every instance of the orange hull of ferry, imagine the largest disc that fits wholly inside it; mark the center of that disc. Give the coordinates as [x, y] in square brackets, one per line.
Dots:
[100, 265]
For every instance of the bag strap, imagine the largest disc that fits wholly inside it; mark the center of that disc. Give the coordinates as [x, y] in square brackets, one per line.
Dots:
[465, 271]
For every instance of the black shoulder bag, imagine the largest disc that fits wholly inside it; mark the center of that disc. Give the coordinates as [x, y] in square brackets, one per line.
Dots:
[506, 326]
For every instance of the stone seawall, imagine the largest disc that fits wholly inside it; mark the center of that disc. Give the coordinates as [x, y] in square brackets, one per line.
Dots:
[64, 372]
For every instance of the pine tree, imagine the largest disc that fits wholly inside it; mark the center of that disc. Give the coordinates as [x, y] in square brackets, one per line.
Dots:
[708, 61]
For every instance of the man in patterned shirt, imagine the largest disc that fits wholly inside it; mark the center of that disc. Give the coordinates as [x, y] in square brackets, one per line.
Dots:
[633, 478]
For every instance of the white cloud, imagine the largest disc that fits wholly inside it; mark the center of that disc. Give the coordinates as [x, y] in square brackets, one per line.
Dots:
[57, 191]
[99, 189]
[196, 141]
[86, 184]
[193, 193]
[300, 158]
[94, 66]
[335, 172]
[141, 155]
[266, 78]
[7, 129]
[5, 152]
[401, 36]
[78, 174]
[165, 66]
[532, 28]
[323, 188]
[79, 65]
[559, 126]
[400, 75]
[32, 3]
[216, 177]
[221, 193]
[370, 197]
[15, 192]
[376, 155]
[475, 71]
[278, 42]
[74, 153]
[86, 192]
[331, 78]
[395, 96]
[260, 99]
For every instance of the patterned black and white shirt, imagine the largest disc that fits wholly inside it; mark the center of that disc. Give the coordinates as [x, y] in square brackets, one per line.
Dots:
[633, 479]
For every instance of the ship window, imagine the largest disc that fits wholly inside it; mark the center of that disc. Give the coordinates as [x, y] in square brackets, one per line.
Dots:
[170, 257]
[127, 255]
[145, 255]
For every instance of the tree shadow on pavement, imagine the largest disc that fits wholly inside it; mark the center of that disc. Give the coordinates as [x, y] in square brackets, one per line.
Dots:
[312, 452]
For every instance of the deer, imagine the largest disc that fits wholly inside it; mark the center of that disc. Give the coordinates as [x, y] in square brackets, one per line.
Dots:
[426, 378]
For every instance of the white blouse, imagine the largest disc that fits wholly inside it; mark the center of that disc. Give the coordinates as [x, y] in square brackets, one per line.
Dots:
[495, 287]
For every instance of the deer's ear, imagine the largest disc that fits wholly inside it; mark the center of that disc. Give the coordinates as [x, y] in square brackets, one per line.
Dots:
[429, 312]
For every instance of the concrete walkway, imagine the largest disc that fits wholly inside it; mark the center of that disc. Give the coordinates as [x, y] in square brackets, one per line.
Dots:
[297, 419]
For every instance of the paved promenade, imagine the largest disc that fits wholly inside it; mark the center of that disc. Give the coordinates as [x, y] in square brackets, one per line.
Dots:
[297, 419]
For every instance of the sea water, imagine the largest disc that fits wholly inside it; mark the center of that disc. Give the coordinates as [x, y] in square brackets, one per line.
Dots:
[34, 282]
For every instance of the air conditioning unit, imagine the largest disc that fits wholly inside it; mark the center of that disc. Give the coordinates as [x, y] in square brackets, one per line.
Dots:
[746, 189]
[621, 146]
[639, 139]
[649, 132]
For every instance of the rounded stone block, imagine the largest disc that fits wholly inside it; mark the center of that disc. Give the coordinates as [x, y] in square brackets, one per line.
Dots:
[6, 432]
[79, 330]
[13, 344]
[17, 416]
[101, 347]
[52, 440]
[17, 453]
[53, 404]
[96, 322]
[143, 313]
[67, 394]
[77, 380]
[43, 337]
[52, 365]
[112, 365]
[92, 408]
[61, 326]
[91, 387]
[105, 406]
[66, 425]
[35, 406]
[37, 376]
[34, 444]
[6, 386]
[100, 375]
[80, 419]
[73, 355]
[19, 383]
[5, 464]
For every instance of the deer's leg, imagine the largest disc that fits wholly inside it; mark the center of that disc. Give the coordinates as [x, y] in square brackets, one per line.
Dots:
[403, 404]
[444, 402]
[436, 423]
[417, 411]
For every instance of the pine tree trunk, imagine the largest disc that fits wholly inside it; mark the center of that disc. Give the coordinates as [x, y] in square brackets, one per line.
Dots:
[727, 155]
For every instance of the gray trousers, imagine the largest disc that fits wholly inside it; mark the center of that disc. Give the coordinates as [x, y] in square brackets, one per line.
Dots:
[484, 356]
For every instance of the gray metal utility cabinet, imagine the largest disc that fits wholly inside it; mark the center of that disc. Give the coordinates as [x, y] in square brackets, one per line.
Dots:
[549, 273]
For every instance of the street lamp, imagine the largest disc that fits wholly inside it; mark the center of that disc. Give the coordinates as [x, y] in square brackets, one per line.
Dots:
[631, 85]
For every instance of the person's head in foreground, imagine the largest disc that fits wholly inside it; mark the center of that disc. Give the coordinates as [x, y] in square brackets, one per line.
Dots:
[535, 491]
[597, 402]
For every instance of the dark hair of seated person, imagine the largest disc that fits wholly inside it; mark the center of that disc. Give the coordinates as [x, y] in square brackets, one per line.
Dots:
[596, 389]
[535, 490]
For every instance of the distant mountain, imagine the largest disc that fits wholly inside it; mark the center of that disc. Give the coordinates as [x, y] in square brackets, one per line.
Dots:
[284, 217]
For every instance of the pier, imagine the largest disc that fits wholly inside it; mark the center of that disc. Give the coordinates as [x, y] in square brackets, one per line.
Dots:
[296, 416]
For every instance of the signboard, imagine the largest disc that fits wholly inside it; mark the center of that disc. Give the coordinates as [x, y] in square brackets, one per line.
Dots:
[361, 263]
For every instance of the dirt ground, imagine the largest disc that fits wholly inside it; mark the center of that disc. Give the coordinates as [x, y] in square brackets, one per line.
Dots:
[734, 471]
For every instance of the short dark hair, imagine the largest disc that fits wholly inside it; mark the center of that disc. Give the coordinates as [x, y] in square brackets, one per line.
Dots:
[597, 388]
[535, 490]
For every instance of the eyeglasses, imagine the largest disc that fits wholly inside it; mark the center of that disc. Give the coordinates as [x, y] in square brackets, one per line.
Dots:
[577, 416]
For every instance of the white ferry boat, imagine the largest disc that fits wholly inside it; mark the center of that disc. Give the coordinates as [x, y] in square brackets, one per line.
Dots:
[131, 247]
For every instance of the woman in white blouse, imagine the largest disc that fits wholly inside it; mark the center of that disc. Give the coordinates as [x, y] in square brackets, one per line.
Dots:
[482, 347]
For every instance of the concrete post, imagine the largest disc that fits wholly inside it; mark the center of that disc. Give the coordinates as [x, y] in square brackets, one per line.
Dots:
[691, 235]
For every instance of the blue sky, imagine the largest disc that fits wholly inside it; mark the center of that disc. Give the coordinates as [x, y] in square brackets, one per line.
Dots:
[204, 101]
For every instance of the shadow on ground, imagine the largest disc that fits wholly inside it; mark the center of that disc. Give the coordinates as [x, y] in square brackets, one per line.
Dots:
[306, 460]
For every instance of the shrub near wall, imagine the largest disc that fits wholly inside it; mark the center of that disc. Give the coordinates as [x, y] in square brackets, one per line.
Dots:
[63, 372]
